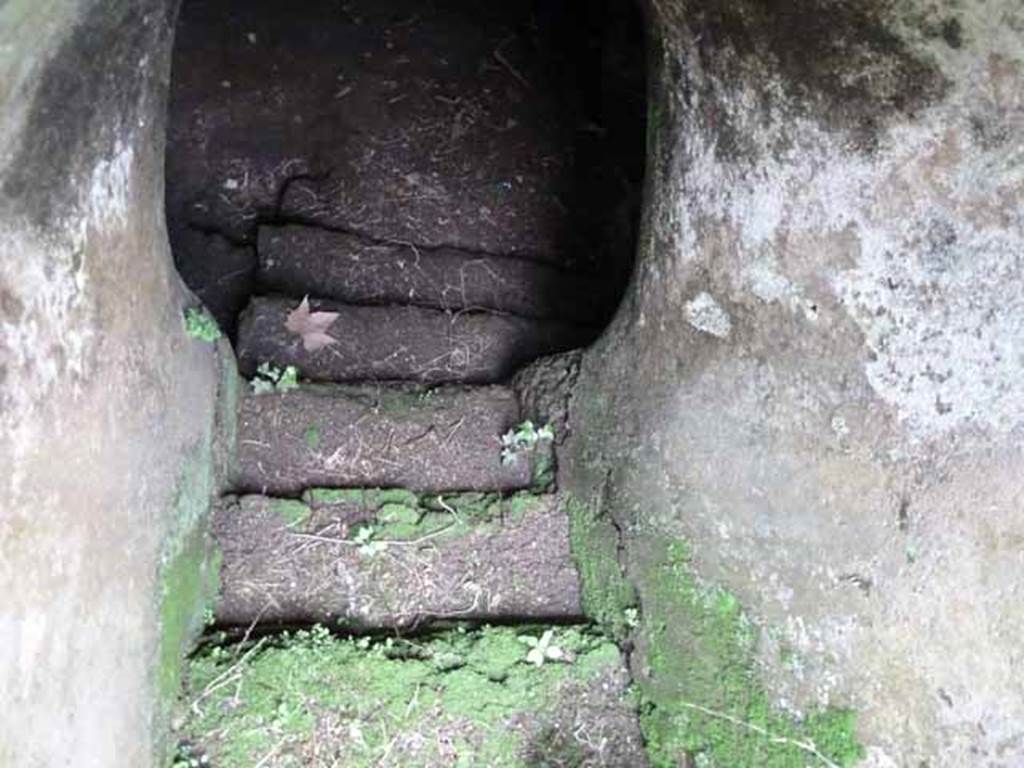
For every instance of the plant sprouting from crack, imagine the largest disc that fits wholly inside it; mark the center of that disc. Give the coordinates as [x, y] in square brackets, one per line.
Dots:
[524, 439]
[270, 378]
[200, 325]
[367, 547]
[543, 649]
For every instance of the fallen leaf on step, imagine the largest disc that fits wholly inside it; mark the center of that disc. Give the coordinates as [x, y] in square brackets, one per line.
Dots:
[311, 326]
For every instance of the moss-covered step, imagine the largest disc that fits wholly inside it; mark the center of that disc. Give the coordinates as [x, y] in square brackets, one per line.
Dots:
[471, 698]
[295, 260]
[403, 343]
[378, 559]
[441, 439]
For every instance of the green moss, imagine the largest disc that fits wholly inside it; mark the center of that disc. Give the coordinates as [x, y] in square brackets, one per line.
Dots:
[312, 437]
[522, 503]
[188, 579]
[542, 469]
[608, 597]
[378, 497]
[407, 700]
[479, 507]
[401, 515]
[328, 496]
[294, 513]
[401, 522]
[703, 697]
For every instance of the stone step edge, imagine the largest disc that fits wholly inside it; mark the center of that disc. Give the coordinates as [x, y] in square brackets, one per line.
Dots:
[420, 286]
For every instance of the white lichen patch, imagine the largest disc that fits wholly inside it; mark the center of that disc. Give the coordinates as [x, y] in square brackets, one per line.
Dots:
[108, 189]
[931, 278]
[768, 284]
[946, 339]
[705, 314]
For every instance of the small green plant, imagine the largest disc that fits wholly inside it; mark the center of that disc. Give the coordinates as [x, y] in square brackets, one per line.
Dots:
[524, 439]
[543, 649]
[366, 545]
[199, 325]
[270, 378]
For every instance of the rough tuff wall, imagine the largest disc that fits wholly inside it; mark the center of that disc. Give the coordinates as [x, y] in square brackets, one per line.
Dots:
[817, 379]
[107, 408]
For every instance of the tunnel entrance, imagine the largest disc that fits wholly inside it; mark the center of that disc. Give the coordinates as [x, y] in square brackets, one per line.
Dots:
[457, 177]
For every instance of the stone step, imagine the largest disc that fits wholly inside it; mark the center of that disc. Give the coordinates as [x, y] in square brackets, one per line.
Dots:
[296, 260]
[402, 343]
[440, 439]
[390, 559]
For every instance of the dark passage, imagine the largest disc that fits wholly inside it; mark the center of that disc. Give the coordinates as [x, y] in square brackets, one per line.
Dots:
[454, 185]
[459, 180]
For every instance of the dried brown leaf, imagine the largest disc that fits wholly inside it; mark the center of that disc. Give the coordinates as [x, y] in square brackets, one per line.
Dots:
[311, 326]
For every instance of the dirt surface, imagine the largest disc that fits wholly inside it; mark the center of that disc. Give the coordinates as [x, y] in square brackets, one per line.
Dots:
[393, 119]
[295, 260]
[441, 439]
[477, 560]
[593, 726]
[400, 343]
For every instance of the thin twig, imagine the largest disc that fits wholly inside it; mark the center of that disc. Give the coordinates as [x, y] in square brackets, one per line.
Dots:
[225, 676]
[806, 746]
[271, 753]
[252, 624]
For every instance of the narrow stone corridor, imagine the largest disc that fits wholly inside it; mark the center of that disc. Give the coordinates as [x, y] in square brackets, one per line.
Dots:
[395, 210]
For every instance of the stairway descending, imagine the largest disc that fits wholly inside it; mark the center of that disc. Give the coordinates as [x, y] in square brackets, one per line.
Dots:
[413, 169]
[397, 489]
[383, 492]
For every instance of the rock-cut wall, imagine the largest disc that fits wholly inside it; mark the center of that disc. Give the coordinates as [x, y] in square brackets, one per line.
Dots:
[807, 416]
[107, 407]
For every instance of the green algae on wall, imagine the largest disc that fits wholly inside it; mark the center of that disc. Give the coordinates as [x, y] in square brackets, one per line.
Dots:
[189, 573]
[461, 697]
[608, 598]
[702, 699]
[190, 582]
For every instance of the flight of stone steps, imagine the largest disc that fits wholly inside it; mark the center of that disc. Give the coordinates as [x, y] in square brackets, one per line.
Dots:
[418, 170]
[402, 489]
[403, 423]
